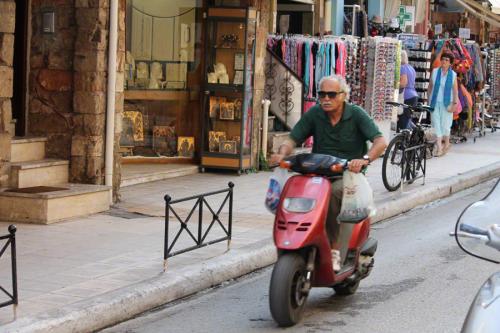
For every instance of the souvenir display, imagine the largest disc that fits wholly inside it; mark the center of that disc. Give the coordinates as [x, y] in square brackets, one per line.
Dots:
[212, 78]
[493, 71]
[381, 65]
[239, 61]
[129, 70]
[214, 139]
[159, 102]
[127, 135]
[164, 140]
[237, 108]
[229, 40]
[185, 146]
[142, 75]
[238, 78]
[156, 75]
[311, 58]
[227, 147]
[226, 111]
[137, 124]
[230, 47]
[215, 106]
[420, 60]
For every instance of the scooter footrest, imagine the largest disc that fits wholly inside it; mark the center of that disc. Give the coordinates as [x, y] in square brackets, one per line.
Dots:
[370, 247]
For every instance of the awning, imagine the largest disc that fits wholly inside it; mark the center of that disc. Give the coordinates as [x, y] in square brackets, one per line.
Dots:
[481, 12]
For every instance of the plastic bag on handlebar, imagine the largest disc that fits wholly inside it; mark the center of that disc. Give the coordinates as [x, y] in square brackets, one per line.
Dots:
[357, 201]
[276, 184]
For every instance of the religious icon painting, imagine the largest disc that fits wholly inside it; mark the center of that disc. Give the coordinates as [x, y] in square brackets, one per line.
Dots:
[185, 146]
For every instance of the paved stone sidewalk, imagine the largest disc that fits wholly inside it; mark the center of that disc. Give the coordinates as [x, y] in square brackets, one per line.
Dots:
[78, 264]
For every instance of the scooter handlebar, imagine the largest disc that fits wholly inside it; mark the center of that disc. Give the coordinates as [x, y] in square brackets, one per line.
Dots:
[473, 230]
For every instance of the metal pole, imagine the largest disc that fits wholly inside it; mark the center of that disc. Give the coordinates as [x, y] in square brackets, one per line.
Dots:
[200, 218]
[229, 229]
[167, 213]
[12, 231]
[353, 24]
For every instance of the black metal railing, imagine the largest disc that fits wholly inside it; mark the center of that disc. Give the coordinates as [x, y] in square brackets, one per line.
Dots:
[201, 235]
[11, 240]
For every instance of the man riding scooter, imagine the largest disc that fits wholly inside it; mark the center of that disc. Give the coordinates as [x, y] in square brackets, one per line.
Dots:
[340, 129]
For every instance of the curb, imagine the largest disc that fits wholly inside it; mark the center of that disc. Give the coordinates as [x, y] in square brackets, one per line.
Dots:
[125, 303]
[440, 190]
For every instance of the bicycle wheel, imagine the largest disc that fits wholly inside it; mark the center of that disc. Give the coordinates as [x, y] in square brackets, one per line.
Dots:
[392, 163]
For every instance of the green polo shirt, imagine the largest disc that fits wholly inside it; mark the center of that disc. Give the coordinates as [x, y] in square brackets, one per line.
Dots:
[347, 139]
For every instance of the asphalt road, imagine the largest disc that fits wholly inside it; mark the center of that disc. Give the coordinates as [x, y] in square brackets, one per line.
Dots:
[421, 282]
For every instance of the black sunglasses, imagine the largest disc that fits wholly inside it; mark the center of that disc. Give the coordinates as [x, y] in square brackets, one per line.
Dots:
[330, 94]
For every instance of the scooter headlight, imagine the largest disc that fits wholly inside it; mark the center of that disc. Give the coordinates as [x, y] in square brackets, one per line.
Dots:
[299, 205]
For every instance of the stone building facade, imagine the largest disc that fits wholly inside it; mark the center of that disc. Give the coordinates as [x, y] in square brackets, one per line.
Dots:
[67, 82]
[7, 27]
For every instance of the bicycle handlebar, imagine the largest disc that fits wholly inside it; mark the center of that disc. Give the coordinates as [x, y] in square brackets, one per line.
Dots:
[416, 108]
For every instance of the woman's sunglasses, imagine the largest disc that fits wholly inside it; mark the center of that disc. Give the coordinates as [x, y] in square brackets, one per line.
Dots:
[330, 94]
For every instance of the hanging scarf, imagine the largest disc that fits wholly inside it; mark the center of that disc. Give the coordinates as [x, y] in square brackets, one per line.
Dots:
[447, 88]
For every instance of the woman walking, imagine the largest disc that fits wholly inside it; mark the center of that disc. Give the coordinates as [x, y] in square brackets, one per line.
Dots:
[407, 88]
[443, 92]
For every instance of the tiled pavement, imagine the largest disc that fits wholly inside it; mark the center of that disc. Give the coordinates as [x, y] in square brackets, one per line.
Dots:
[67, 262]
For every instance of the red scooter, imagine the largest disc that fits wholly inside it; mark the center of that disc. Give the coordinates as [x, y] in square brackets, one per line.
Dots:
[304, 249]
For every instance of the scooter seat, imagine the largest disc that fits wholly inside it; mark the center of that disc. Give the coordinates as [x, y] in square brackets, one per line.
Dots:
[370, 247]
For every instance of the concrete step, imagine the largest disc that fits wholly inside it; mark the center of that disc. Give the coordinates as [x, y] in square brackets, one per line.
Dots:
[45, 205]
[137, 174]
[27, 149]
[47, 172]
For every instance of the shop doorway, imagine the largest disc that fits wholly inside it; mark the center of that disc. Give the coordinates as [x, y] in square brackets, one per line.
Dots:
[20, 67]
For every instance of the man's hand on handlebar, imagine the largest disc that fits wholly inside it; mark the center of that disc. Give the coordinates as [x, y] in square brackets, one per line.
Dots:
[276, 159]
[357, 165]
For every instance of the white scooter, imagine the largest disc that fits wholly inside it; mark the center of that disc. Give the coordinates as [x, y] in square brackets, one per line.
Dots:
[477, 232]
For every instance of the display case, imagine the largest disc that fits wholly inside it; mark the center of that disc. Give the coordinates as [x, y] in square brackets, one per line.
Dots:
[161, 121]
[228, 100]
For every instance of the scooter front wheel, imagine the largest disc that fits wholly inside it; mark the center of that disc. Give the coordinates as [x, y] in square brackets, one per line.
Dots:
[287, 294]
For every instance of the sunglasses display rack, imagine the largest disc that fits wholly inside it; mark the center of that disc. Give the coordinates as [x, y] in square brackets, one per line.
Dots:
[381, 58]
[493, 71]
[353, 72]
[420, 60]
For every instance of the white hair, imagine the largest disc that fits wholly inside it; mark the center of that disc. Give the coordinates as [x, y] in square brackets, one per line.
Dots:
[404, 57]
[344, 87]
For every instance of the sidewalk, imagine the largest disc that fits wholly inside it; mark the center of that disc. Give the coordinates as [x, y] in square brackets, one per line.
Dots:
[88, 273]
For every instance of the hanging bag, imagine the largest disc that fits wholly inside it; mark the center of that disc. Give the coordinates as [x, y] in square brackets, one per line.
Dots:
[357, 201]
[277, 182]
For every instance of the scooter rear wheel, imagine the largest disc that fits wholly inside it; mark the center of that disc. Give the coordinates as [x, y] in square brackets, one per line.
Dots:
[286, 295]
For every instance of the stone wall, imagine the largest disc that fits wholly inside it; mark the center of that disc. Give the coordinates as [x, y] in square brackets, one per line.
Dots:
[89, 101]
[68, 84]
[7, 27]
[50, 86]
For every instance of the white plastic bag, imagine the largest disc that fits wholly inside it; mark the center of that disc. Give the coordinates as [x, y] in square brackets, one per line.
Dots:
[357, 201]
[276, 184]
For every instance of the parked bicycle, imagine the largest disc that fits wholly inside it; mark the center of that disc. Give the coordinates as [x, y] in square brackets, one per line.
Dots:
[405, 157]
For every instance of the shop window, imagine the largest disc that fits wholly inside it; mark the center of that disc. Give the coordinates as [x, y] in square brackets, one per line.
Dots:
[163, 74]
